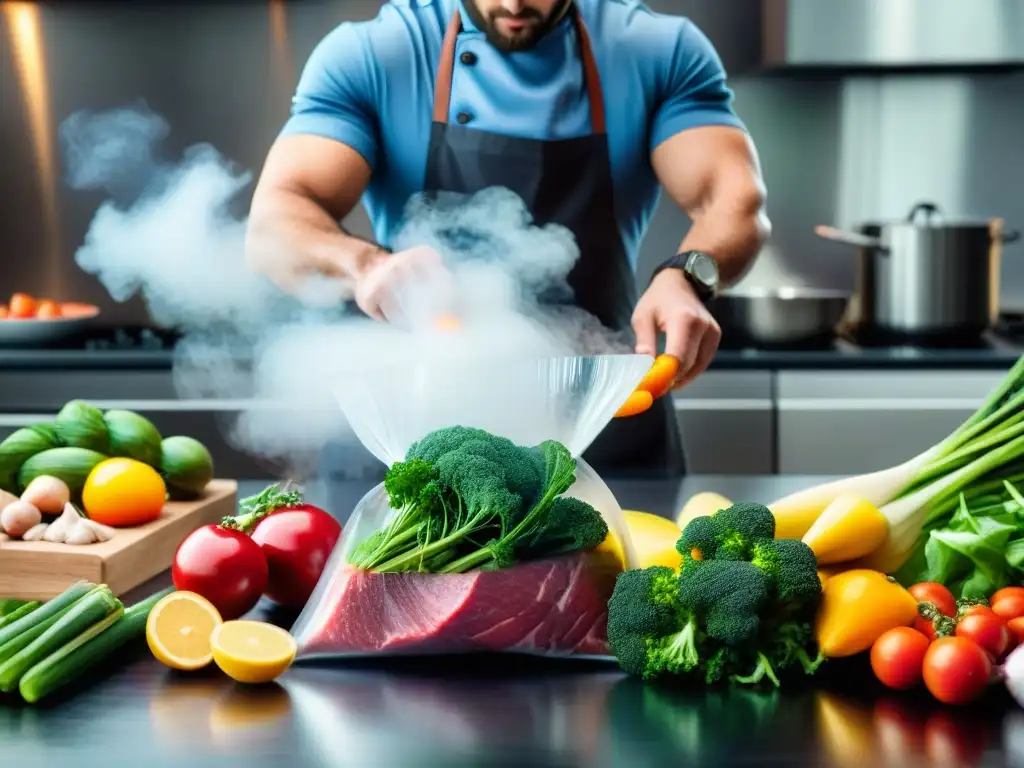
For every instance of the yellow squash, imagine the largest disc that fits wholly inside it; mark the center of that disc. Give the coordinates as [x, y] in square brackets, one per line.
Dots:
[851, 527]
[857, 607]
[701, 505]
[654, 540]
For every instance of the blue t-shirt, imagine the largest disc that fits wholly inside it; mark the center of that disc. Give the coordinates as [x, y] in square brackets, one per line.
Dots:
[370, 85]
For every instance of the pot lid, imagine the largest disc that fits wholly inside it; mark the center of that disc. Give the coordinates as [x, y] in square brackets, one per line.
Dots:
[931, 215]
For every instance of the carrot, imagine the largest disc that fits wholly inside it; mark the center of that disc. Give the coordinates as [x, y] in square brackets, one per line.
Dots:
[638, 402]
[22, 306]
[660, 377]
[3, 311]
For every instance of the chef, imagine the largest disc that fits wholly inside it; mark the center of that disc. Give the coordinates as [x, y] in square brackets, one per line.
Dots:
[584, 108]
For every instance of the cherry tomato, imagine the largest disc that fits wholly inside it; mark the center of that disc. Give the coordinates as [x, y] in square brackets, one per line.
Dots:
[956, 670]
[1008, 603]
[47, 310]
[296, 541]
[925, 627]
[899, 725]
[1016, 627]
[982, 610]
[224, 566]
[897, 656]
[22, 306]
[123, 492]
[989, 632]
[936, 594]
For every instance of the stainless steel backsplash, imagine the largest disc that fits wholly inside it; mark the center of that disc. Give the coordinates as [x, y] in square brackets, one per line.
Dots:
[835, 148]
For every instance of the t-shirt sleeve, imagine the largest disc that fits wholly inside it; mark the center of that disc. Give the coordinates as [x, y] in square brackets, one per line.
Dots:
[336, 95]
[695, 92]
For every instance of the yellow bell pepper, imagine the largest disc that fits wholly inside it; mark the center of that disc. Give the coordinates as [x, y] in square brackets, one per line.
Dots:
[857, 607]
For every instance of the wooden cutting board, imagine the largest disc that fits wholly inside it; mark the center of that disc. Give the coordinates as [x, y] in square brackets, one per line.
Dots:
[40, 570]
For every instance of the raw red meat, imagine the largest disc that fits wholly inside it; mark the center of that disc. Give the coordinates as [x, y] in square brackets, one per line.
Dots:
[555, 607]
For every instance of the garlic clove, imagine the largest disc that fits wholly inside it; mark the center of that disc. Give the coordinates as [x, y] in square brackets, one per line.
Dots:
[80, 534]
[103, 532]
[35, 533]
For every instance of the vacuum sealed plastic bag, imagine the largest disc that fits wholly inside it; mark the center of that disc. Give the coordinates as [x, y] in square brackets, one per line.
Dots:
[489, 533]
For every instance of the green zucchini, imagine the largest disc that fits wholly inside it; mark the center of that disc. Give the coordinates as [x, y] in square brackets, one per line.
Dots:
[99, 606]
[64, 600]
[86, 651]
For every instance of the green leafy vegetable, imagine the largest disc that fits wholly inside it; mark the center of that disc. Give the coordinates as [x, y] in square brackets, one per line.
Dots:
[467, 499]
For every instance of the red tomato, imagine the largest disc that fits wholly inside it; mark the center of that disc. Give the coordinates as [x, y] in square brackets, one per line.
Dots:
[972, 610]
[1008, 603]
[925, 627]
[1016, 627]
[989, 632]
[296, 541]
[897, 656]
[936, 594]
[956, 670]
[224, 566]
[899, 725]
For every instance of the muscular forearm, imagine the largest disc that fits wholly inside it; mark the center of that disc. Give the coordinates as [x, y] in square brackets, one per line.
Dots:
[293, 240]
[732, 231]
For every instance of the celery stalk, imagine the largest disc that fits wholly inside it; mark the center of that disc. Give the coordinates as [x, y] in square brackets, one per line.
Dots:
[98, 606]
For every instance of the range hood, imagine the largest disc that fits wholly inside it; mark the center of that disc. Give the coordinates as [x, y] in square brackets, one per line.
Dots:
[892, 33]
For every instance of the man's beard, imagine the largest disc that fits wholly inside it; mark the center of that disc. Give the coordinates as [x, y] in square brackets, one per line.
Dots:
[529, 37]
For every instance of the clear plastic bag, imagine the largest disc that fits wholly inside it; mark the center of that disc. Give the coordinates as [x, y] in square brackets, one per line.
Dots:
[551, 607]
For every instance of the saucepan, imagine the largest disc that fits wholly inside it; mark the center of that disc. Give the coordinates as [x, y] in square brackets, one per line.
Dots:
[926, 274]
[779, 317]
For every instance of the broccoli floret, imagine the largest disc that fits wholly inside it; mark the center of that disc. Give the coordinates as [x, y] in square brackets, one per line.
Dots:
[729, 534]
[442, 441]
[786, 646]
[791, 570]
[649, 630]
[728, 593]
[571, 525]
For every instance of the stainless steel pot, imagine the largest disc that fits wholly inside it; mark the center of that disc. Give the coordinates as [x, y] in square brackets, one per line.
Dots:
[925, 276]
[778, 317]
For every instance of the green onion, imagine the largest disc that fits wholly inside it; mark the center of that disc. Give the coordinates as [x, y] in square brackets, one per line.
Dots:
[10, 606]
[99, 605]
[16, 614]
[86, 651]
[64, 600]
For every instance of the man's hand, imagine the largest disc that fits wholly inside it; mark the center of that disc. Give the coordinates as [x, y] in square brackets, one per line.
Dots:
[405, 287]
[671, 306]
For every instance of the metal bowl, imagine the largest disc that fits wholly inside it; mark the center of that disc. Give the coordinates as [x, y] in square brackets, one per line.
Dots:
[77, 320]
[779, 317]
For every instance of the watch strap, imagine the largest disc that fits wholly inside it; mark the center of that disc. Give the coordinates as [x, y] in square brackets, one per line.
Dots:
[682, 261]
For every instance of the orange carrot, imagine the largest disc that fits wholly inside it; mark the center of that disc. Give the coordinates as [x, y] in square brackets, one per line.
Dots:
[638, 402]
[3, 311]
[660, 377]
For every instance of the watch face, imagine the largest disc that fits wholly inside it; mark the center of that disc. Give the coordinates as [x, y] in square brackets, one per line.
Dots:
[703, 269]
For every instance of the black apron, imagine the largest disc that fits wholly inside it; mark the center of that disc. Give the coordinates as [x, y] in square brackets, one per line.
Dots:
[566, 182]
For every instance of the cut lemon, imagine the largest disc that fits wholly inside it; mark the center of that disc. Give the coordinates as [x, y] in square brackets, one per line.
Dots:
[252, 651]
[179, 628]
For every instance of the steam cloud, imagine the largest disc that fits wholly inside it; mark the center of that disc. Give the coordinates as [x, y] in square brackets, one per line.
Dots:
[166, 231]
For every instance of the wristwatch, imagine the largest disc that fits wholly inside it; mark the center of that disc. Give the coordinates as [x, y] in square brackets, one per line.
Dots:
[700, 269]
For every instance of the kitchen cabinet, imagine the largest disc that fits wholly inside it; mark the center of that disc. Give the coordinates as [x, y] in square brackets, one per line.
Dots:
[727, 420]
[847, 422]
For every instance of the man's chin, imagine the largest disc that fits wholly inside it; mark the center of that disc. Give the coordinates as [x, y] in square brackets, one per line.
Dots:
[521, 41]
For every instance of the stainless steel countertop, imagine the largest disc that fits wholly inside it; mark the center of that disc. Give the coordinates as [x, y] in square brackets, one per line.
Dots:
[504, 711]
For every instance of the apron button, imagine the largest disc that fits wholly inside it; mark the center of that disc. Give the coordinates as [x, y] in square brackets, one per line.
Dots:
[468, 58]
[463, 117]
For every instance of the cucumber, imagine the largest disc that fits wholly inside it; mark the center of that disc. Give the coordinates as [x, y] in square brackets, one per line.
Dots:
[133, 436]
[99, 607]
[81, 425]
[87, 651]
[186, 465]
[72, 465]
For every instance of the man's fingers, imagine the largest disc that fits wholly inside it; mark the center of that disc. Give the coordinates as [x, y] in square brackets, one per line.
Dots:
[705, 354]
[682, 339]
[646, 329]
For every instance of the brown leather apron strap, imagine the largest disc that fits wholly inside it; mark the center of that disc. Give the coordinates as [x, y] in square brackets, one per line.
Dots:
[446, 69]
